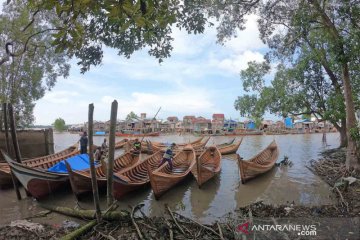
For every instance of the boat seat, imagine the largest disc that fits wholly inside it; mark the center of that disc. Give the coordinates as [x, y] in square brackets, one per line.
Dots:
[209, 166]
[179, 170]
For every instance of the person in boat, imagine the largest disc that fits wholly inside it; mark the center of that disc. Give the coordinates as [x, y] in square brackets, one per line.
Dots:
[137, 146]
[83, 143]
[168, 156]
[98, 154]
[104, 146]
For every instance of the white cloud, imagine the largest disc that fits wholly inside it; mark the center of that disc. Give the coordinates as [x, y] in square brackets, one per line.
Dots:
[236, 63]
[247, 39]
[60, 96]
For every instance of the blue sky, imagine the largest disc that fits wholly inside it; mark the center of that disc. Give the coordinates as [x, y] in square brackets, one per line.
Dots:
[200, 78]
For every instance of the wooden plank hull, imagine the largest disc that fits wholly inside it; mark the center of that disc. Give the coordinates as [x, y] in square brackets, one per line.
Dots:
[207, 165]
[261, 163]
[81, 180]
[163, 179]
[230, 149]
[136, 176]
[5, 175]
[155, 134]
[37, 182]
[163, 145]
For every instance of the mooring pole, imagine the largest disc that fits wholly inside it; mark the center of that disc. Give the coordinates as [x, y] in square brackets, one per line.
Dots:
[110, 165]
[92, 165]
[6, 128]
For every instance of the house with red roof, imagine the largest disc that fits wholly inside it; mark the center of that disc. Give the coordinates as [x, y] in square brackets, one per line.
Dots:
[202, 124]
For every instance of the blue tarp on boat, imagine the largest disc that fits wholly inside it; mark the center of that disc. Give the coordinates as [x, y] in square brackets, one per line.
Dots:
[78, 162]
[100, 133]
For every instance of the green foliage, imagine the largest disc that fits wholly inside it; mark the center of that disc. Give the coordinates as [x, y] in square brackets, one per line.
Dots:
[87, 25]
[131, 116]
[25, 79]
[59, 125]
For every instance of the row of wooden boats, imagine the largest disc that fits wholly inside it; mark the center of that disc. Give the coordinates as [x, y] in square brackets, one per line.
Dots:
[43, 163]
[130, 173]
[199, 146]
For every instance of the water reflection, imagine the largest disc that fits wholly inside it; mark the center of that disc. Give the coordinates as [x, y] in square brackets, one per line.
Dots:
[201, 199]
[219, 196]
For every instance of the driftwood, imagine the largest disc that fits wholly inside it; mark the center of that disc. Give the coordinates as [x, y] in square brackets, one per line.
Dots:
[80, 231]
[89, 214]
[134, 222]
[200, 225]
[175, 221]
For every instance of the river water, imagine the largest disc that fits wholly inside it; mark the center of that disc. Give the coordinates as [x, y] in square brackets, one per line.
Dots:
[215, 199]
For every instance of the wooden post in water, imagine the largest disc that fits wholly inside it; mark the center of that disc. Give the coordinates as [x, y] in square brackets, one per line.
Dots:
[110, 165]
[6, 129]
[92, 165]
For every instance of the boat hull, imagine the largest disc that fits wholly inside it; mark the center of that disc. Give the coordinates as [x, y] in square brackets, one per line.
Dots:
[155, 134]
[37, 182]
[259, 164]
[230, 149]
[207, 165]
[162, 179]
[5, 175]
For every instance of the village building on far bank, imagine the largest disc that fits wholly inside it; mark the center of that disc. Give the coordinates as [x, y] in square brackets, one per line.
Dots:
[217, 122]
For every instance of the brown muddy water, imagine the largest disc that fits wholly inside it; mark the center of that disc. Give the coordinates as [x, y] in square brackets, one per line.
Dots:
[215, 199]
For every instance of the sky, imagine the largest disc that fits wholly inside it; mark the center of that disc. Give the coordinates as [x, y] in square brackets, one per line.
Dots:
[200, 78]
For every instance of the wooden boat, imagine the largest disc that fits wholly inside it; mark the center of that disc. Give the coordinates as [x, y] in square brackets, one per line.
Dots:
[5, 175]
[162, 144]
[207, 165]
[230, 149]
[260, 163]
[34, 177]
[153, 134]
[136, 176]
[122, 142]
[226, 143]
[198, 146]
[81, 180]
[162, 179]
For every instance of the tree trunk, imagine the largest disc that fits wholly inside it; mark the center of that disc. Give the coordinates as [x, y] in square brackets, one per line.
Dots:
[342, 130]
[351, 154]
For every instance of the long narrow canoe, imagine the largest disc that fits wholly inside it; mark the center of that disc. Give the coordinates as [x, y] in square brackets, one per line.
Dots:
[39, 162]
[162, 144]
[36, 180]
[227, 143]
[81, 180]
[207, 165]
[136, 176]
[5, 177]
[259, 164]
[153, 134]
[198, 146]
[162, 179]
[231, 148]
